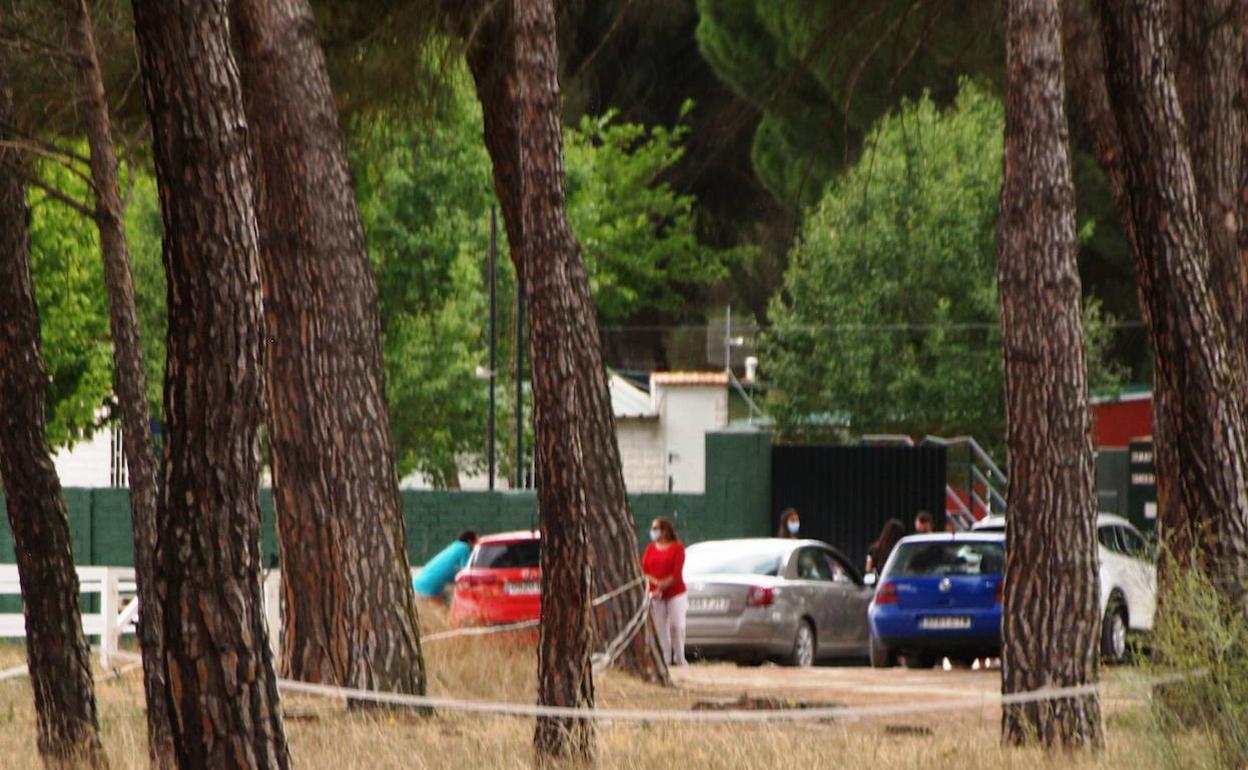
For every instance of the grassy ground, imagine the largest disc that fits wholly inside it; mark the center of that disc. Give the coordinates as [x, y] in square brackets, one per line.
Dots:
[324, 735]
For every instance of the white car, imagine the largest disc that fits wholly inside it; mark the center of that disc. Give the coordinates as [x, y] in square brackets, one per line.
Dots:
[1128, 578]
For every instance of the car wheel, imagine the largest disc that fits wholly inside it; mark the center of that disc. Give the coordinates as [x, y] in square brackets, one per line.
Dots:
[1114, 633]
[882, 656]
[920, 660]
[803, 654]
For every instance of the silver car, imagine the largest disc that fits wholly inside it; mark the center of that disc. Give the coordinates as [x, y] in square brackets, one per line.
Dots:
[767, 598]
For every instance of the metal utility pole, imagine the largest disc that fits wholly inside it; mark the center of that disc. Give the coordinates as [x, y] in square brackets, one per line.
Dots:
[493, 342]
[520, 378]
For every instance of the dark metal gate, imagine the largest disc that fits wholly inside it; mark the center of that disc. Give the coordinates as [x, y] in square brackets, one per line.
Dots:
[844, 494]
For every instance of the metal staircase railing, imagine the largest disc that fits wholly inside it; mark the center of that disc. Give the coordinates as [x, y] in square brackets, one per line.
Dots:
[986, 485]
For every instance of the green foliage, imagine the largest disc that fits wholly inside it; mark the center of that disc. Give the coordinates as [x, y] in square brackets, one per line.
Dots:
[1200, 631]
[68, 274]
[888, 320]
[425, 189]
[636, 233]
[73, 310]
[424, 192]
[143, 236]
[822, 72]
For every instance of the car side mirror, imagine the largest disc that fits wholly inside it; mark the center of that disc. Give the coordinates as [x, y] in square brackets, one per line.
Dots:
[868, 579]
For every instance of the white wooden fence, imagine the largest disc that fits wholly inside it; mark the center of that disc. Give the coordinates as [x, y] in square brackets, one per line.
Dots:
[119, 606]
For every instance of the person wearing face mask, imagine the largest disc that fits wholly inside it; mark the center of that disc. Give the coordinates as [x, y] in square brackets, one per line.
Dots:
[790, 523]
[663, 564]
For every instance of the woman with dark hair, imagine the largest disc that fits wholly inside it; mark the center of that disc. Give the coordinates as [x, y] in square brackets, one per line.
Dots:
[790, 523]
[663, 565]
[877, 552]
[440, 570]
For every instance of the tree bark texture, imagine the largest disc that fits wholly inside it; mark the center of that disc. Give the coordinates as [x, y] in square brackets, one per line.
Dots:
[612, 533]
[1051, 619]
[557, 292]
[350, 614]
[1199, 430]
[56, 650]
[129, 376]
[1209, 48]
[222, 689]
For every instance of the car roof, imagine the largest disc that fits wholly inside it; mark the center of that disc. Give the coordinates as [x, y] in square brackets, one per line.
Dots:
[776, 543]
[1112, 518]
[954, 537]
[782, 546]
[509, 537]
[1102, 519]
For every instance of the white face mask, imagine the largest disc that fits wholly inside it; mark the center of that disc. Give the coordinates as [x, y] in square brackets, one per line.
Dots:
[655, 534]
[794, 526]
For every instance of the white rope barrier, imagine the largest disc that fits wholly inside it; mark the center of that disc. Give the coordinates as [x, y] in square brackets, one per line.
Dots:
[118, 673]
[604, 660]
[12, 673]
[850, 713]
[845, 713]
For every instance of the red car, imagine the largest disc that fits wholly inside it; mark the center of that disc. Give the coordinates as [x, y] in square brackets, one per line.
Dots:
[502, 582]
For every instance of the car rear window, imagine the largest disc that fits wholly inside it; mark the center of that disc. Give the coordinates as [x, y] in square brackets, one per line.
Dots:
[731, 562]
[947, 558]
[518, 553]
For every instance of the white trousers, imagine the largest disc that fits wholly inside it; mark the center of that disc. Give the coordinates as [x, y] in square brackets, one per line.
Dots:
[669, 625]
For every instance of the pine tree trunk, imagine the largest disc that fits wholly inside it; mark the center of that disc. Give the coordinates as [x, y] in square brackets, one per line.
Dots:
[1199, 428]
[1210, 50]
[1051, 562]
[56, 650]
[557, 292]
[612, 533]
[129, 377]
[222, 689]
[350, 615]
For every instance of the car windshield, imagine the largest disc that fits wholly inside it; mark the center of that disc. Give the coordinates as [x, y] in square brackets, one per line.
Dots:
[518, 553]
[947, 558]
[734, 559]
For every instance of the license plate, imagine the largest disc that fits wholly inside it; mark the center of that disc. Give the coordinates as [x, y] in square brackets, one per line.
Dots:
[529, 587]
[709, 603]
[945, 623]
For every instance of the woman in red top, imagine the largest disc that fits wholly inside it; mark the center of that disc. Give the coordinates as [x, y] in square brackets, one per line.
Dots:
[663, 564]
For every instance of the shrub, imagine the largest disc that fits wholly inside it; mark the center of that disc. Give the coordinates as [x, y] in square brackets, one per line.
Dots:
[1200, 630]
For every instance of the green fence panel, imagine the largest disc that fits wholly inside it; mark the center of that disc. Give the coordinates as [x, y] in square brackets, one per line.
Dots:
[738, 494]
[738, 483]
[112, 536]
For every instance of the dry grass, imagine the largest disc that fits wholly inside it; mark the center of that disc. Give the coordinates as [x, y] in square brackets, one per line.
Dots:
[324, 735]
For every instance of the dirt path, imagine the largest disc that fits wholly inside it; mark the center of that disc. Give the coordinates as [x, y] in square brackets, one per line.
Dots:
[958, 696]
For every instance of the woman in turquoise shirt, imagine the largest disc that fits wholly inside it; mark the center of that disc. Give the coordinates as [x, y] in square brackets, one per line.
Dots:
[441, 569]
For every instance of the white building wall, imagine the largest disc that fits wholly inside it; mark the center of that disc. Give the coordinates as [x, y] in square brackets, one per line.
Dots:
[686, 413]
[642, 454]
[87, 463]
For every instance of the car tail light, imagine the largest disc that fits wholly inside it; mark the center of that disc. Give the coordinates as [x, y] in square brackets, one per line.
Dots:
[886, 593]
[760, 596]
[472, 580]
[1000, 594]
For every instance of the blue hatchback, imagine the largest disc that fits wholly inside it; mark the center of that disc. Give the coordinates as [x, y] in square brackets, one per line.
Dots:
[939, 595]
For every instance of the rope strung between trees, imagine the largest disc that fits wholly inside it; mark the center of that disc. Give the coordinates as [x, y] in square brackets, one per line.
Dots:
[845, 713]
[848, 713]
[602, 661]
